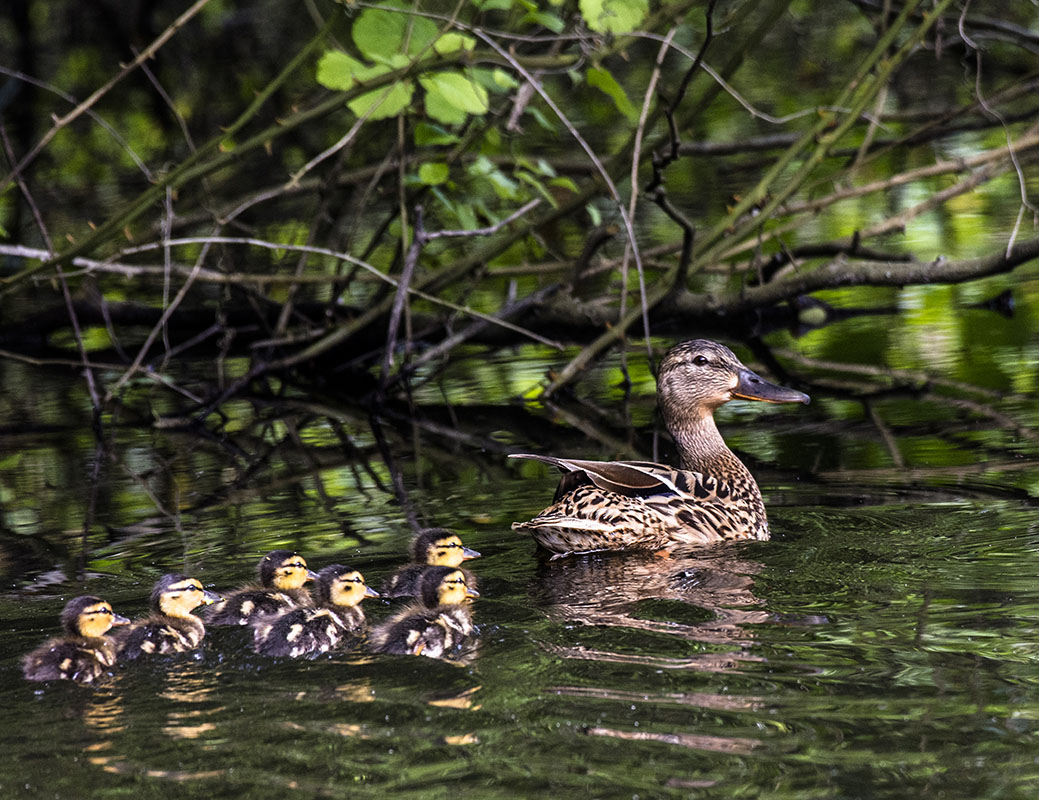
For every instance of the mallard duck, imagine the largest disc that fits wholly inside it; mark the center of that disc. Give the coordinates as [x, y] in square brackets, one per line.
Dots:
[430, 547]
[438, 622]
[310, 631]
[622, 505]
[171, 627]
[282, 575]
[84, 653]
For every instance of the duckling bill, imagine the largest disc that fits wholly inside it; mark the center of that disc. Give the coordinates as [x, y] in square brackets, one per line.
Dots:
[430, 547]
[622, 505]
[171, 627]
[282, 574]
[311, 631]
[436, 624]
[84, 653]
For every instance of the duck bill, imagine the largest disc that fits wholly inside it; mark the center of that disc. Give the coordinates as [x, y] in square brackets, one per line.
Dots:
[370, 592]
[119, 619]
[751, 386]
[468, 552]
[311, 576]
[470, 593]
[208, 598]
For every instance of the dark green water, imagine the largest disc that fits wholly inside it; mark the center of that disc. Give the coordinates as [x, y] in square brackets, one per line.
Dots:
[884, 644]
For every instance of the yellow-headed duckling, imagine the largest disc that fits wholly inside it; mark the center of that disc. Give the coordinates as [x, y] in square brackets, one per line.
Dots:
[438, 622]
[430, 547]
[282, 575]
[171, 627]
[311, 631]
[84, 653]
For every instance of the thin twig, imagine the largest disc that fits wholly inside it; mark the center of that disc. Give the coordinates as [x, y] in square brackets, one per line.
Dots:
[78, 111]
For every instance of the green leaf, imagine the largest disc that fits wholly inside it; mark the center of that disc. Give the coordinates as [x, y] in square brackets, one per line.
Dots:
[565, 183]
[540, 118]
[606, 83]
[614, 16]
[467, 217]
[431, 135]
[433, 174]
[504, 79]
[335, 70]
[388, 30]
[385, 102]
[481, 166]
[504, 186]
[593, 212]
[538, 186]
[453, 42]
[545, 20]
[439, 109]
[457, 90]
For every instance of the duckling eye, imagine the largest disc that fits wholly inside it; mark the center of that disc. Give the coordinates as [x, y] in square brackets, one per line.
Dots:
[701, 361]
[296, 565]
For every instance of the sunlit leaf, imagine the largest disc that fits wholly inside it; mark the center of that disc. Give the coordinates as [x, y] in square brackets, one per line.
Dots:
[335, 70]
[564, 183]
[504, 79]
[453, 42]
[439, 109]
[433, 174]
[613, 16]
[457, 90]
[385, 102]
[389, 30]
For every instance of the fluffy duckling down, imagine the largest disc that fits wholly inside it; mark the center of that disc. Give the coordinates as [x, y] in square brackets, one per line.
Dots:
[171, 627]
[282, 574]
[437, 623]
[312, 631]
[430, 547]
[84, 653]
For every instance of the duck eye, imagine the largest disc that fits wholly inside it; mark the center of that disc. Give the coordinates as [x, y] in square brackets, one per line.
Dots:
[701, 361]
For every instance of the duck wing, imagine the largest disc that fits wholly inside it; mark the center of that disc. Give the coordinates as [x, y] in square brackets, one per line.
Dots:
[630, 478]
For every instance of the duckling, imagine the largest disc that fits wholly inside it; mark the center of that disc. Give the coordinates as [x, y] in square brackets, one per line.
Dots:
[84, 653]
[171, 628]
[282, 575]
[310, 631]
[431, 547]
[434, 625]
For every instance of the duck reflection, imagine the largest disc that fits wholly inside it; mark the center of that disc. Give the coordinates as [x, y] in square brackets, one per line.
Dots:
[701, 594]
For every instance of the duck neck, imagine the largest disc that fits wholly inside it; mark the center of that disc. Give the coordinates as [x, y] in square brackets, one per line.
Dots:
[702, 449]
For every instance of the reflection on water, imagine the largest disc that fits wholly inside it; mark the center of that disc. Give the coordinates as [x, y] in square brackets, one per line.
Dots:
[625, 590]
[883, 644]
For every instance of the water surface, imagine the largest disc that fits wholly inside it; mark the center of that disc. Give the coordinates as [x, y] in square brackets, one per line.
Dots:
[882, 644]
